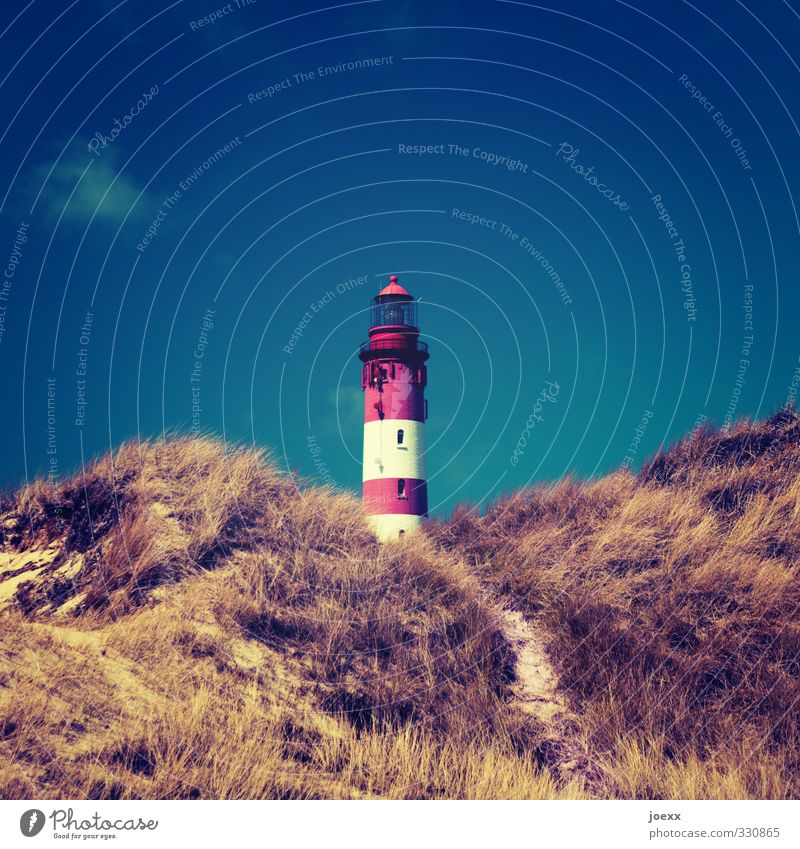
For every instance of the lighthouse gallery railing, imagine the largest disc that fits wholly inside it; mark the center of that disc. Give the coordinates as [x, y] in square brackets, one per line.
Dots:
[393, 345]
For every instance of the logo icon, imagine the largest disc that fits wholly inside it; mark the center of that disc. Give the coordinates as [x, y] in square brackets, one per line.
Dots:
[31, 822]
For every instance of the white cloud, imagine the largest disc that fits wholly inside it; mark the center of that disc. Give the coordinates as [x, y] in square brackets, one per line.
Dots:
[81, 191]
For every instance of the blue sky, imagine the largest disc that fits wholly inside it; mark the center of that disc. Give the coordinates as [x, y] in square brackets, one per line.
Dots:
[594, 197]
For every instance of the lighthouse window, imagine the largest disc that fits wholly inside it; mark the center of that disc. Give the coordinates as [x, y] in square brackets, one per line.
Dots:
[400, 436]
[401, 488]
[393, 310]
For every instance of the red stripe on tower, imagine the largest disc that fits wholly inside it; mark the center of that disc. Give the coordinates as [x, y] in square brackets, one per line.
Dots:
[393, 378]
[403, 496]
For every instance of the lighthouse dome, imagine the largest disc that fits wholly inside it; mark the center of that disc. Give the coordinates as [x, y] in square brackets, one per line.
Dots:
[394, 288]
[394, 306]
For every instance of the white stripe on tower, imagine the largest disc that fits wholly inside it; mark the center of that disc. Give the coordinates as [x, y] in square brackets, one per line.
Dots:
[394, 448]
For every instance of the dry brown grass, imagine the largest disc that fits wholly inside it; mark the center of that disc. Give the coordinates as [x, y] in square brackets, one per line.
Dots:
[672, 602]
[239, 636]
[212, 628]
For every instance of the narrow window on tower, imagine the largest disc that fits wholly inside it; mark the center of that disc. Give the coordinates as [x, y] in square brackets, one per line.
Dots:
[401, 488]
[400, 436]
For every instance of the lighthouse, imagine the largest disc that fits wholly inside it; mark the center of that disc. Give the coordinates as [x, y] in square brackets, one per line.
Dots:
[393, 379]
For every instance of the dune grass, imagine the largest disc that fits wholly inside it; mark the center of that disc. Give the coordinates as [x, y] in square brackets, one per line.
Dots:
[247, 637]
[211, 628]
[672, 602]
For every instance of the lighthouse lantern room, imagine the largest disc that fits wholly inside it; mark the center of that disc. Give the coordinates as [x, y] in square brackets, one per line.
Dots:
[393, 378]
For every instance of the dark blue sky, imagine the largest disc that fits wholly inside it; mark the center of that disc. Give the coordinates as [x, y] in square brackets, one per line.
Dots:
[593, 201]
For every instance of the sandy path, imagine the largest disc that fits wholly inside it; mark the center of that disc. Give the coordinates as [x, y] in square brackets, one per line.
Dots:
[563, 748]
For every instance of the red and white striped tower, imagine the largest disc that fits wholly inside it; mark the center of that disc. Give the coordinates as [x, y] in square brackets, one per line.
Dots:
[393, 378]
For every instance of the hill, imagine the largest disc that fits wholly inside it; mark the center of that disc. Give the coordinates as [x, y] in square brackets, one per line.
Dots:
[180, 620]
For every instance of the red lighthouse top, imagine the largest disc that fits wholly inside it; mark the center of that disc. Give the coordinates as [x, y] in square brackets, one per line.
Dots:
[394, 288]
[393, 331]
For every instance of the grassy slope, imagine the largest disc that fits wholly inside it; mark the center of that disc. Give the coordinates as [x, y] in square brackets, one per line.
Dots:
[208, 630]
[672, 601]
